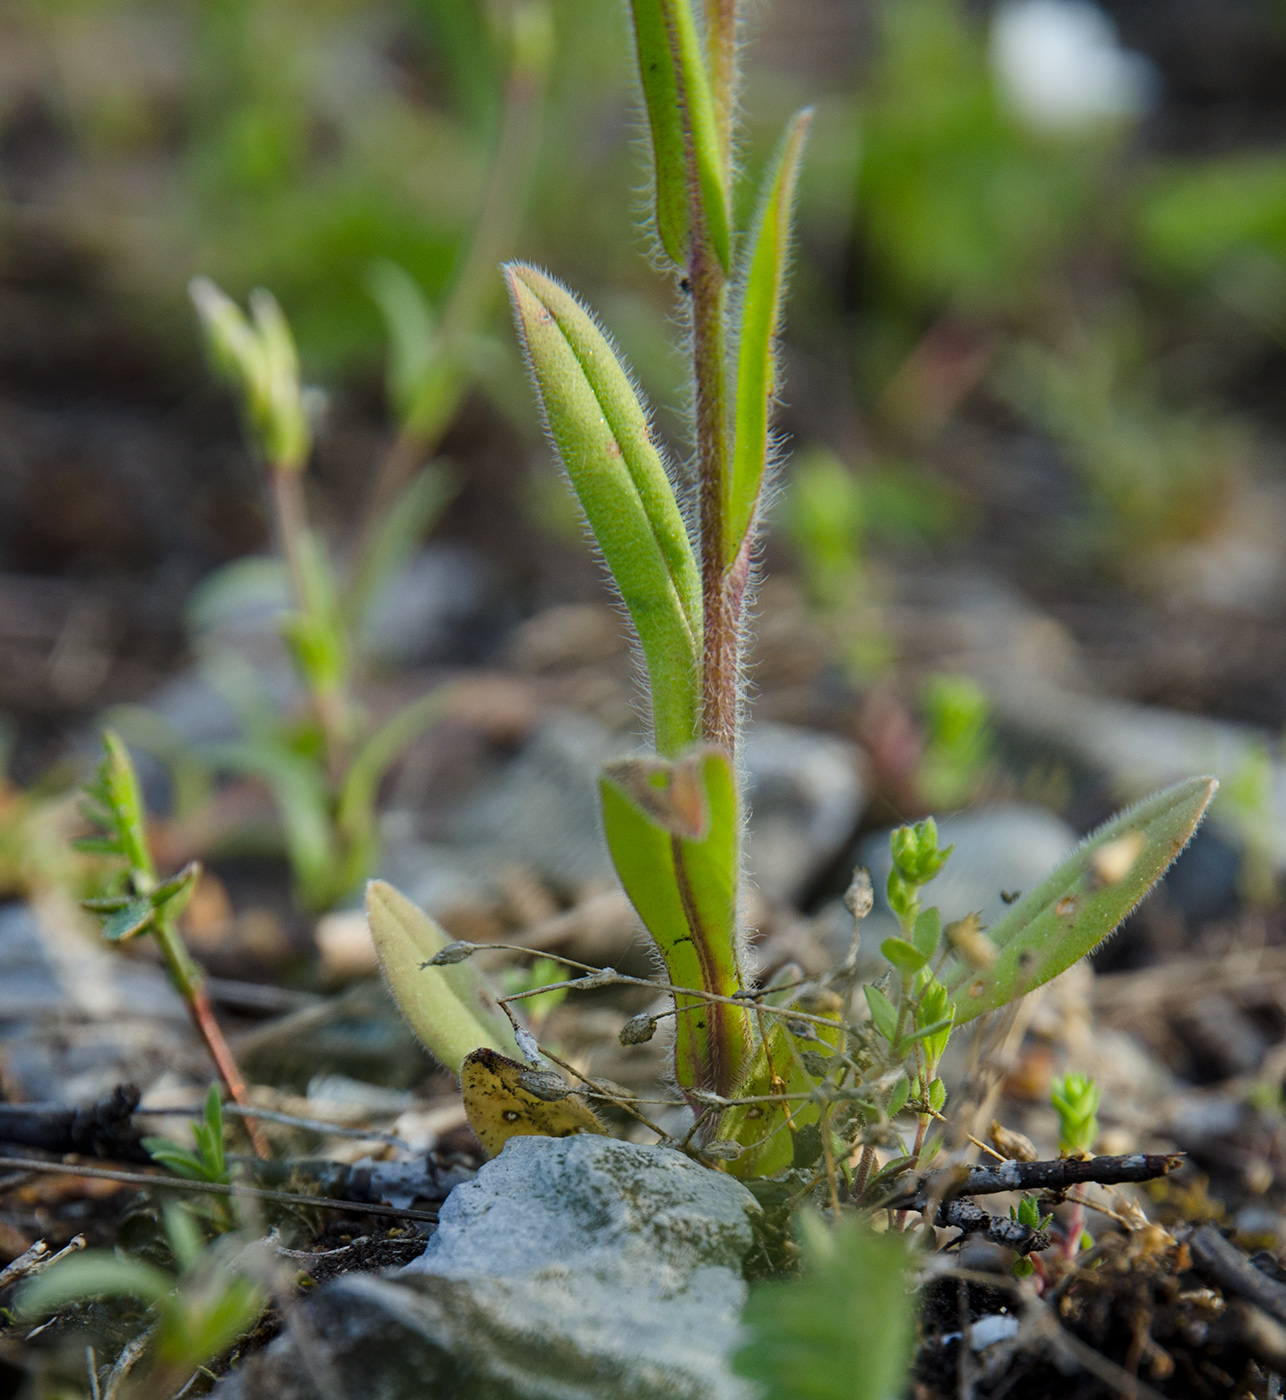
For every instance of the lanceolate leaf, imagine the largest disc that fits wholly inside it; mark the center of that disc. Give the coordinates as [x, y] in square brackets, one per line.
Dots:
[762, 295]
[118, 790]
[685, 137]
[1084, 900]
[601, 433]
[685, 891]
[661, 93]
[451, 1009]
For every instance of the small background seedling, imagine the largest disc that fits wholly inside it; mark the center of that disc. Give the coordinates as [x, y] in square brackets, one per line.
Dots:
[142, 903]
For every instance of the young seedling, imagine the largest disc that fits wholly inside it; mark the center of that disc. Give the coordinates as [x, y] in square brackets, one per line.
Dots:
[1075, 1098]
[777, 1076]
[323, 767]
[147, 904]
[200, 1310]
[1028, 1212]
[208, 1162]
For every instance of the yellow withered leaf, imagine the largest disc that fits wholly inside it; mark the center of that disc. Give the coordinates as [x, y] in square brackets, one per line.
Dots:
[504, 1098]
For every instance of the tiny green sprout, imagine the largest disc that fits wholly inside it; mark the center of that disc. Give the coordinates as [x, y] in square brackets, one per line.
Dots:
[1027, 1212]
[1076, 1099]
[200, 1311]
[142, 903]
[959, 740]
[208, 1162]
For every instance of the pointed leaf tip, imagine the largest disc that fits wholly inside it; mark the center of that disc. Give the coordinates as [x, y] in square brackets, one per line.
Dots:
[688, 159]
[451, 1009]
[762, 294]
[1084, 901]
[601, 433]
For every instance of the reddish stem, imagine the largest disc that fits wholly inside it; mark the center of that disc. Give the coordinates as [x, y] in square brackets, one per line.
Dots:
[224, 1061]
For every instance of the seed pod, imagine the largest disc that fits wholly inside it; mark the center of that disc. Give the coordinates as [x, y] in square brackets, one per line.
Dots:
[544, 1084]
[859, 898]
[1011, 1144]
[966, 936]
[452, 953]
[638, 1030]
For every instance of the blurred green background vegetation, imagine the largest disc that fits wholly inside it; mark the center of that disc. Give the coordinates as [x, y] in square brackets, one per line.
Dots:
[1037, 325]
[1038, 243]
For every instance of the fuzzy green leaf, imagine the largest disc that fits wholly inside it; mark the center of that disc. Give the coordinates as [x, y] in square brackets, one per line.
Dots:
[1084, 900]
[898, 1098]
[601, 433]
[673, 832]
[762, 295]
[927, 933]
[451, 1009]
[841, 1331]
[94, 1274]
[661, 94]
[676, 89]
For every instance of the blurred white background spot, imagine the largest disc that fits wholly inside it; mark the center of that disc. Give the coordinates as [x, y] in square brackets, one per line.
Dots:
[1060, 64]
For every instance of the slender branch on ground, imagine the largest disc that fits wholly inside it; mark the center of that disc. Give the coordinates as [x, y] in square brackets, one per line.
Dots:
[1057, 1175]
[214, 1188]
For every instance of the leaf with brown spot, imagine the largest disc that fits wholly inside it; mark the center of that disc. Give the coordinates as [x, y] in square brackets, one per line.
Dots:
[1076, 909]
[504, 1099]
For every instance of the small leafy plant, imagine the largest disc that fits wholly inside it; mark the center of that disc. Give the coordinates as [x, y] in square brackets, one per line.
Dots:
[200, 1310]
[323, 765]
[143, 903]
[323, 762]
[209, 1161]
[778, 1076]
[1076, 1099]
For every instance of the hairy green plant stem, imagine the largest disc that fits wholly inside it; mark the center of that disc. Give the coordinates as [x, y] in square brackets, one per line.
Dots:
[721, 50]
[721, 591]
[330, 705]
